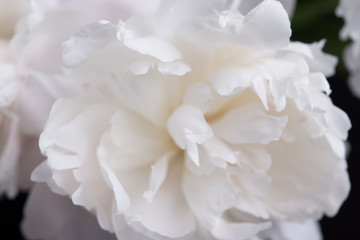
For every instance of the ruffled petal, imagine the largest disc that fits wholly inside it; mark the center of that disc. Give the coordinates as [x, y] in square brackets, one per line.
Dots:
[258, 33]
[154, 46]
[188, 127]
[249, 124]
[157, 176]
[129, 133]
[168, 208]
[87, 41]
[228, 81]
[307, 178]
[209, 196]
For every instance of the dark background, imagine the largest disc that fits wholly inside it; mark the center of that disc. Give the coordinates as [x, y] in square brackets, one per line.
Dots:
[313, 20]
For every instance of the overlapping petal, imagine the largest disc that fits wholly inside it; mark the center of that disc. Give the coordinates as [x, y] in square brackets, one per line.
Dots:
[211, 125]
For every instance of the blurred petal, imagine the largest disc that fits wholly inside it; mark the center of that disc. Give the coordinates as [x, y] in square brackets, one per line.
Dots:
[53, 217]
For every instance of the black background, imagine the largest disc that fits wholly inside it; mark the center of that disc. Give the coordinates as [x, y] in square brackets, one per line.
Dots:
[313, 20]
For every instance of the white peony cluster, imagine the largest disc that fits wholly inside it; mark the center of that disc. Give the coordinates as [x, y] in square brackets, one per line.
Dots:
[349, 10]
[201, 121]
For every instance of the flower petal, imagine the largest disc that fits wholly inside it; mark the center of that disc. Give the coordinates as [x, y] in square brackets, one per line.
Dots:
[168, 208]
[154, 46]
[227, 81]
[173, 68]
[129, 133]
[87, 41]
[187, 126]
[121, 197]
[157, 177]
[199, 95]
[257, 31]
[249, 124]
[308, 178]
[209, 196]
[145, 94]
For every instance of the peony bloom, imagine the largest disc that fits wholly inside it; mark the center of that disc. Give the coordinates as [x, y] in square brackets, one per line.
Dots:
[198, 122]
[31, 75]
[349, 10]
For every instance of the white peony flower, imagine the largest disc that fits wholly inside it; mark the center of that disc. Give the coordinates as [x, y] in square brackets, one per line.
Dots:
[198, 123]
[31, 75]
[349, 10]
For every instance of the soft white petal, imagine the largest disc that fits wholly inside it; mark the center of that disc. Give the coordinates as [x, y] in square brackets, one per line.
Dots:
[157, 177]
[168, 208]
[145, 94]
[247, 203]
[229, 81]
[87, 41]
[249, 124]
[121, 197]
[42, 173]
[260, 88]
[308, 178]
[154, 46]
[338, 121]
[8, 84]
[187, 126]
[317, 59]
[173, 68]
[257, 31]
[199, 95]
[247, 5]
[129, 133]
[219, 153]
[204, 167]
[209, 196]
[140, 67]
